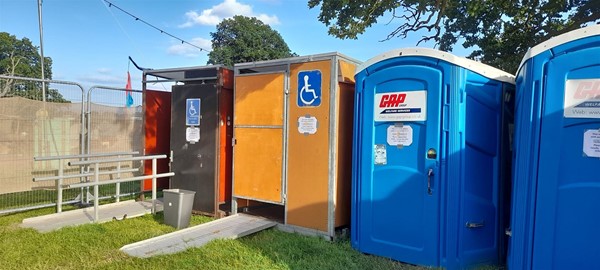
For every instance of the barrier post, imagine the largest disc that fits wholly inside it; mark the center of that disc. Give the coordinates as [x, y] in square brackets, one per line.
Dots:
[59, 182]
[96, 181]
[118, 185]
[154, 185]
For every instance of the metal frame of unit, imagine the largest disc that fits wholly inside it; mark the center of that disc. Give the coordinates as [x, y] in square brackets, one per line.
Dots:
[283, 66]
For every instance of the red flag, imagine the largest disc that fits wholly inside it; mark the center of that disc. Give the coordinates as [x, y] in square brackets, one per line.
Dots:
[128, 97]
[128, 86]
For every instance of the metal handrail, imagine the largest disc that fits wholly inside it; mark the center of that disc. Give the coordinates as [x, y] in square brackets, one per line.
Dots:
[54, 178]
[86, 163]
[89, 162]
[61, 166]
[108, 182]
[96, 182]
[96, 174]
[86, 156]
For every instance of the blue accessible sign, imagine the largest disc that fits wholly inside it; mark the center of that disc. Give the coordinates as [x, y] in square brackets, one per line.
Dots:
[309, 88]
[192, 112]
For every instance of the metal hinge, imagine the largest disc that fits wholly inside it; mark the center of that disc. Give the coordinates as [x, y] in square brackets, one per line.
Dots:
[507, 97]
[233, 141]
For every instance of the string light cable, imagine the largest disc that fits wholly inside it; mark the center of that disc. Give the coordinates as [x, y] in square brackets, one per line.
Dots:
[156, 28]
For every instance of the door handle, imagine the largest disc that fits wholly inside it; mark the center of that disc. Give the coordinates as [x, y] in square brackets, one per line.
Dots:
[473, 225]
[429, 176]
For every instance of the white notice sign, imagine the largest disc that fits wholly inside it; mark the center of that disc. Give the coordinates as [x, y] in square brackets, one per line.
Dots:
[582, 98]
[192, 134]
[591, 143]
[400, 135]
[380, 154]
[307, 125]
[401, 106]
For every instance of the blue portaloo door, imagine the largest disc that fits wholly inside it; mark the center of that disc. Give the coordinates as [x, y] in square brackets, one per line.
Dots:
[567, 215]
[475, 171]
[397, 191]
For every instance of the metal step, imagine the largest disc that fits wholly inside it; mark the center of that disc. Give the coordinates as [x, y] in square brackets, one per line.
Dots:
[231, 227]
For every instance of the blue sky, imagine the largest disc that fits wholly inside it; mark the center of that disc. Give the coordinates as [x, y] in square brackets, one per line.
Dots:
[89, 42]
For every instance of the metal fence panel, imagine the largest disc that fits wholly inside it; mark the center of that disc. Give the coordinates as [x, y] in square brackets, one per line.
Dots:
[115, 124]
[31, 125]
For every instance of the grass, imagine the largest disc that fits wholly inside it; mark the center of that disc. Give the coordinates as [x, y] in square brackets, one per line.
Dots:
[39, 197]
[96, 246]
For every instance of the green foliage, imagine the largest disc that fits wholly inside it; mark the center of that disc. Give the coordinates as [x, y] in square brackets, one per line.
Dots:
[243, 39]
[498, 31]
[19, 57]
[347, 19]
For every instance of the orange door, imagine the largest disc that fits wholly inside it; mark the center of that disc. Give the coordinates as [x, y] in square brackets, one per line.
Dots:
[258, 129]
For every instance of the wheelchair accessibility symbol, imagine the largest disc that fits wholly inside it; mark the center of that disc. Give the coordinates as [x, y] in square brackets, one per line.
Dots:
[309, 88]
[192, 112]
[192, 109]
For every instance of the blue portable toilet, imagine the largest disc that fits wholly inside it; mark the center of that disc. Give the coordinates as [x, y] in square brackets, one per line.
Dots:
[555, 221]
[430, 159]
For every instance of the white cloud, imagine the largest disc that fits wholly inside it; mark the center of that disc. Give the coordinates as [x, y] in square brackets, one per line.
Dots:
[188, 50]
[225, 10]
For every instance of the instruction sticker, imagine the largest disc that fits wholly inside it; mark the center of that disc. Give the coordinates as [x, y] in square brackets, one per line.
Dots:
[591, 143]
[582, 98]
[400, 135]
[380, 154]
[192, 134]
[307, 125]
[401, 106]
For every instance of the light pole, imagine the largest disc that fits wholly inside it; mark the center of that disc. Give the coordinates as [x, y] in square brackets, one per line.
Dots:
[42, 50]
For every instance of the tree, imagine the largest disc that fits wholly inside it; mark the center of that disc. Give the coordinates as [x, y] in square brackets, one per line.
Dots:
[498, 31]
[242, 39]
[18, 57]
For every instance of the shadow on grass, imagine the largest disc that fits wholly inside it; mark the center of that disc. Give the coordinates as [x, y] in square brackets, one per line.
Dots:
[306, 252]
[96, 246]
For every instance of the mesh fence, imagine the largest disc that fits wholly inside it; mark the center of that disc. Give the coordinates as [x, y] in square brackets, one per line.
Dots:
[33, 127]
[30, 127]
[115, 120]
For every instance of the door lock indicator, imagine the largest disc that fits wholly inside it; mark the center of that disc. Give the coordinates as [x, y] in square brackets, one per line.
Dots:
[431, 153]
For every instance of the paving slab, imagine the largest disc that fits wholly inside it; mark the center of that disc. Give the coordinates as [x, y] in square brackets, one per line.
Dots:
[106, 212]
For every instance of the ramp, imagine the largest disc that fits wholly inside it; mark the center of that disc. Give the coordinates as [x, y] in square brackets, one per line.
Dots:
[106, 212]
[230, 227]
